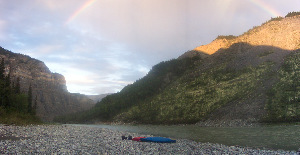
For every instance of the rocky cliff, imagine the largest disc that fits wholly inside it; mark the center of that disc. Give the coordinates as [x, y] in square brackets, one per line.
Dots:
[48, 89]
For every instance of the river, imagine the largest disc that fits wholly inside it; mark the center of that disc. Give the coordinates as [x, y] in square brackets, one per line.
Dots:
[264, 137]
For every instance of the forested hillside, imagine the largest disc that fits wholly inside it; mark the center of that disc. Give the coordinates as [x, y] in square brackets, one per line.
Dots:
[198, 95]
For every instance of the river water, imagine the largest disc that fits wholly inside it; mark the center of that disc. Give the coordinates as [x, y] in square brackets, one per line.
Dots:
[264, 137]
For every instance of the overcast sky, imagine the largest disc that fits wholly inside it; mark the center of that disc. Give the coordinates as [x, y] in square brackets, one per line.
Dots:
[100, 46]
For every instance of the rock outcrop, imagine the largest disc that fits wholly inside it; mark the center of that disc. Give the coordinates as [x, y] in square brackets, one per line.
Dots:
[49, 89]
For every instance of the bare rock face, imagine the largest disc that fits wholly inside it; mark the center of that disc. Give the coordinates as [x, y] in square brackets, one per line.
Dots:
[284, 34]
[49, 89]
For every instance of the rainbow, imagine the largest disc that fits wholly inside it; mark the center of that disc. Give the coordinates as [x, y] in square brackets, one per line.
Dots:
[266, 7]
[78, 11]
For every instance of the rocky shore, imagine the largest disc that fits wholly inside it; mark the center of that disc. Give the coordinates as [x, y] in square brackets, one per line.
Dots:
[68, 139]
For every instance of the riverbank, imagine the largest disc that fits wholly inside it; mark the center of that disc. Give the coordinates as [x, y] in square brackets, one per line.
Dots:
[68, 139]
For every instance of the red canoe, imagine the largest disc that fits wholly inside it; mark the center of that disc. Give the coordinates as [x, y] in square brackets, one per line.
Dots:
[137, 138]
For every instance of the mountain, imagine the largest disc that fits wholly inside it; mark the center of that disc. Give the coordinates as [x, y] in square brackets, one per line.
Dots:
[49, 89]
[97, 98]
[235, 80]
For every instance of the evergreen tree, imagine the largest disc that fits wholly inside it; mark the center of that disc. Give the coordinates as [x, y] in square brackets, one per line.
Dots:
[18, 87]
[34, 106]
[30, 99]
[7, 91]
[7, 80]
[2, 69]
[2, 83]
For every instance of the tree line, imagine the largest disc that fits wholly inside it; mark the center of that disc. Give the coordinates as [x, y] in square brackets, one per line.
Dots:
[291, 14]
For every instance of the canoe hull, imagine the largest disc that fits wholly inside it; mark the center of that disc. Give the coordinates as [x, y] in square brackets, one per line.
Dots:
[157, 140]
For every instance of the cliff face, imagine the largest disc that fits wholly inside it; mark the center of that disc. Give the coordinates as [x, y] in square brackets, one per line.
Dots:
[48, 89]
[282, 33]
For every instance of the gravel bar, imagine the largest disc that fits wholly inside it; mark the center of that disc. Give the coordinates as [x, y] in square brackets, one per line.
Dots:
[68, 139]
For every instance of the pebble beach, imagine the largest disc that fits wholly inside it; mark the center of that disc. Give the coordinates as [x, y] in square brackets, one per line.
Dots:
[69, 139]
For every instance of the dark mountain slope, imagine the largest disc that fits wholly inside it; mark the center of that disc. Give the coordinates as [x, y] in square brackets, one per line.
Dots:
[226, 86]
[160, 76]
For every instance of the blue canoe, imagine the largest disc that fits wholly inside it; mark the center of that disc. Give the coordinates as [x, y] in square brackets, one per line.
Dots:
[158, 140]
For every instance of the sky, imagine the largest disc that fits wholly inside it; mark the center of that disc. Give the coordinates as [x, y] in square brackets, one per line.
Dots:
[100, 46]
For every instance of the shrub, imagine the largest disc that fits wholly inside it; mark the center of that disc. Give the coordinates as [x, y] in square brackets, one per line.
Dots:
[228, 37]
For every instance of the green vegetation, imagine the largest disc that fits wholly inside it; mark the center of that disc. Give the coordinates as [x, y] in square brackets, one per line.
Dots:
[292, 14]
[15, 106]
[17, 118]
[190, 99]
[284, 97]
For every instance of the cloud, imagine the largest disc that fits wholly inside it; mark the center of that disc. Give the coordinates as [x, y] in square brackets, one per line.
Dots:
[2, 29]
[112, 43]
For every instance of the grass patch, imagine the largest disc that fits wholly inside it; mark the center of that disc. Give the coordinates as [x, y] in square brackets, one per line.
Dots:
[14, 118]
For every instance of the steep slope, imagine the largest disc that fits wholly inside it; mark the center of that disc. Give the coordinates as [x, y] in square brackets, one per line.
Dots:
[48, 89]
[237, 84]
[228, 86]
